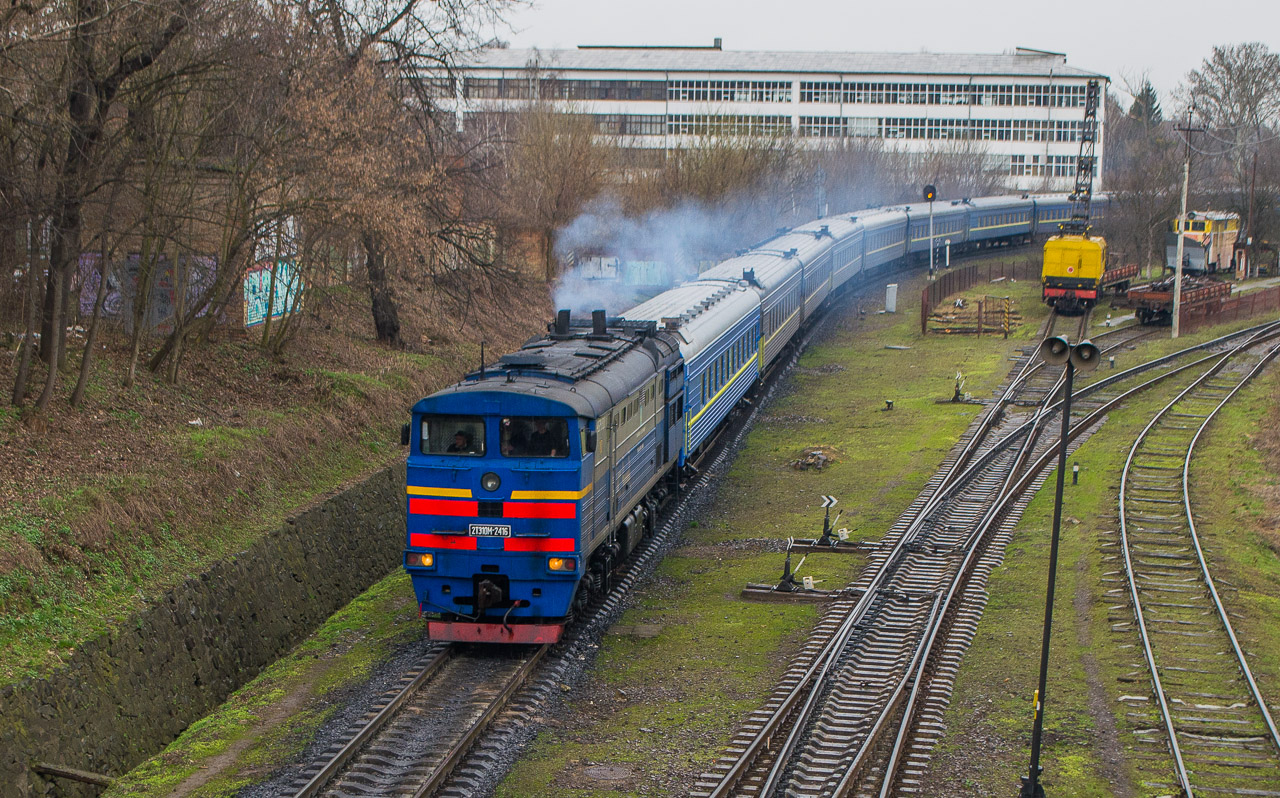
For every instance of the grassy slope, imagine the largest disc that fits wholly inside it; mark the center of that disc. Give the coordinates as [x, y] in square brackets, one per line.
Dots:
[273, 717]
[117, 501]
[665, 705]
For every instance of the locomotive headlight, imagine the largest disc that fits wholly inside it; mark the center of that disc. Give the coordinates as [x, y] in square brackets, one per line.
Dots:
[490, 482]
[426, 559]
[562, 564]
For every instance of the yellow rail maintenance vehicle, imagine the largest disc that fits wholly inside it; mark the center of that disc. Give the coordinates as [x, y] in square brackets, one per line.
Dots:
[1072, 273]
[1074, 260]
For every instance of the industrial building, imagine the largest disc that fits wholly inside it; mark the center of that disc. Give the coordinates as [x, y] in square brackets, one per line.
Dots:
[1022, 109]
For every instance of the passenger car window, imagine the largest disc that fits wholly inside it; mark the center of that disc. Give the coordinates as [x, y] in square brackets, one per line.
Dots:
[535, 436]
[462, 435]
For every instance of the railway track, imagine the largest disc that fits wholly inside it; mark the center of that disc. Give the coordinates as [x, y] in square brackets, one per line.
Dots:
[419, 733]
[1205, 705]
[457, 710]
[860, 707]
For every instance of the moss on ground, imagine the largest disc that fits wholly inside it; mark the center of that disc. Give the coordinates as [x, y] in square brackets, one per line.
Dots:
[273, 718]
[1089, 744]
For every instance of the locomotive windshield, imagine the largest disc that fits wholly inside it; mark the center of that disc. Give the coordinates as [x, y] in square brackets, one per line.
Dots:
[462, 435]
[535, 436]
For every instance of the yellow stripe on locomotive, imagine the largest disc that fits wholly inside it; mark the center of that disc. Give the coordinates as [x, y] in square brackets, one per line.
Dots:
[1072, 273]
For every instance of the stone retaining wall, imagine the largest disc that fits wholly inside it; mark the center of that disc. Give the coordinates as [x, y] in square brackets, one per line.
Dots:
[125, 695]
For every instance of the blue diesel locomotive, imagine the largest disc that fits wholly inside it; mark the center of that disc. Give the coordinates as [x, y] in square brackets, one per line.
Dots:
[530, 481]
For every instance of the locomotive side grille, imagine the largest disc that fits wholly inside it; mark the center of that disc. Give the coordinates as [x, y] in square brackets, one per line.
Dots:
[489, 509]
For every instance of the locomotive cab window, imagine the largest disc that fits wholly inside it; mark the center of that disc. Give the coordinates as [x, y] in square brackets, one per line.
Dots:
[453, 435]
[535, 436]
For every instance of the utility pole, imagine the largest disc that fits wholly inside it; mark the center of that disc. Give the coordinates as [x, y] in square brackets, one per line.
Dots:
[1182, 223]
[1253, 186]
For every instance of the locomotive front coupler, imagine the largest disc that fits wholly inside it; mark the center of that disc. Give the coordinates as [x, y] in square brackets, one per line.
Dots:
[488, 595]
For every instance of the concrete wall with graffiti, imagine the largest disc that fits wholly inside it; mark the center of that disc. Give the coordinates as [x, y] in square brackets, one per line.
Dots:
[193, 275]
[259, 299]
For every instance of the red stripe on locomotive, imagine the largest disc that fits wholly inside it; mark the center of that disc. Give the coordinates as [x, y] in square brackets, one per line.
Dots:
[538, 544]
[424, 540]
[539, 510]
[444, 507]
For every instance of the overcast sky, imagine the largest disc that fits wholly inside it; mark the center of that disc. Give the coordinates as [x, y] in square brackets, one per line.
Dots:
[1164, 39]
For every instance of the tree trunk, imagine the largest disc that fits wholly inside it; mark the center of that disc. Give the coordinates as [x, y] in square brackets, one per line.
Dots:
[271, 301]
[51, 378]
[549, 254]
[147, 264]
[29, 346]
[86, 362]
[386, 319]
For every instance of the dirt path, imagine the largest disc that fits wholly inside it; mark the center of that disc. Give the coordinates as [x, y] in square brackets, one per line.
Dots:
[1106, 742]
[293, 702]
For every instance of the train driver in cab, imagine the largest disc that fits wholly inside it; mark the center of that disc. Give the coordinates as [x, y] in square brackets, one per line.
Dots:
[461, 444]
[543, 442]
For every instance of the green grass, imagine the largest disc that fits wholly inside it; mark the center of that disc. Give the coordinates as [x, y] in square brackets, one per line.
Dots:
[272, 718]
[8, 418]
[716, 655]
[43, 615]
[217, 443]
[993, 698]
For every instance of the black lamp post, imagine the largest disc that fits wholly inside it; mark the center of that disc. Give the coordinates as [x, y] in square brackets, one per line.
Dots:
[930, 193]
[1083, 356]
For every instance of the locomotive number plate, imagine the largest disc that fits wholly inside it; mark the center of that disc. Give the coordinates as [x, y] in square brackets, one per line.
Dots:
[490, 530]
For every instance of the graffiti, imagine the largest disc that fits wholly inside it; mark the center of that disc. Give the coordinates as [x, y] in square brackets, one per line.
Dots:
[258, 296]
[196, 272]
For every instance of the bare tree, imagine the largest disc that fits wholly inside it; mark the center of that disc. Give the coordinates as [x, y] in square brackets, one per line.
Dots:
[1144, 172]
[107, 46]
[855, 172]
[393, 41]
[1236, 91]
[555, 163]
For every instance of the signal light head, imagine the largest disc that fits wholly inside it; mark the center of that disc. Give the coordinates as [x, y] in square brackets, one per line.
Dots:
[1085, 356]
[1055, 351]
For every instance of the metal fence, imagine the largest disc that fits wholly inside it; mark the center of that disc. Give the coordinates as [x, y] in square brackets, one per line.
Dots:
[957, 280]
[1244, 306]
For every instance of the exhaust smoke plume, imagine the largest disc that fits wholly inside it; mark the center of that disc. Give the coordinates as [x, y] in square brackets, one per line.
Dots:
[679, 237]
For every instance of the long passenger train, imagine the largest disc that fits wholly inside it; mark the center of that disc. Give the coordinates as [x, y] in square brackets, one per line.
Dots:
[529, 481]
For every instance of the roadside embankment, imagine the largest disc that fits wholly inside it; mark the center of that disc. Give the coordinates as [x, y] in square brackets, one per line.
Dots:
[127, 693]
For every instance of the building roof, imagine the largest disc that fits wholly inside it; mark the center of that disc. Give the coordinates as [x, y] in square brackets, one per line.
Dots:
[1022, 63]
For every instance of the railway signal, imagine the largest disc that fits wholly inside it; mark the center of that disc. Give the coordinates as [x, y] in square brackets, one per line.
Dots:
[827, 503]
[929, 194]
[1083, 356]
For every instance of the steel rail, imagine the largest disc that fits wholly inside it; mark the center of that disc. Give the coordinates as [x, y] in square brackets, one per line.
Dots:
[1175, 749]
[817, 670]
[974, 547]
[460, 748]
[1204, 566]
[820, 668]
[972, 554]
[442, 655]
